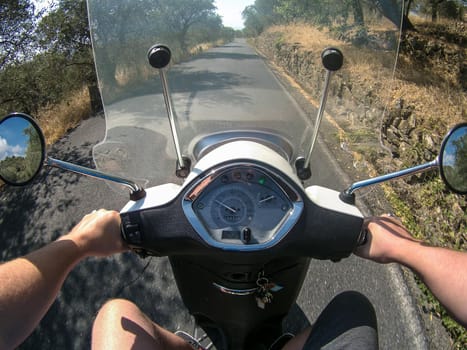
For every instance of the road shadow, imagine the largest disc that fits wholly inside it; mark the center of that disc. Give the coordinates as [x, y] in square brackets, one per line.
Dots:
[23, 207]
[50, 206]
[227, 55]
[184, 79]
[148, 283]
[296, 320]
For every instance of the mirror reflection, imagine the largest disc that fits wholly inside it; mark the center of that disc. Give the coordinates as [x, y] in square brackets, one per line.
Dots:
[21, 149]
[454, 160]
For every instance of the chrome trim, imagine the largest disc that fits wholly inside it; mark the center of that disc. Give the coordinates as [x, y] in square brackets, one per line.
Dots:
[395, 175]
[319, 117]
[91, 173]
[237, 292]
[276, 142]
[286, 225]
[172, 117]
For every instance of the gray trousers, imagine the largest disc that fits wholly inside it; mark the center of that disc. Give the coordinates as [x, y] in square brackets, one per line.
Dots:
[348, 322]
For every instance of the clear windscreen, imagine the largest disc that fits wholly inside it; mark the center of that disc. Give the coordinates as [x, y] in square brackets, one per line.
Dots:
[226, 79]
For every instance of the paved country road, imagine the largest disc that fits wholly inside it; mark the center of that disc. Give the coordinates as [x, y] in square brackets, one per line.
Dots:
[49, 207]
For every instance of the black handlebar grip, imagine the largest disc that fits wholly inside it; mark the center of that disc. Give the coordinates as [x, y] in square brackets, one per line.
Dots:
[363, 237]
[332, 59]
[159, 56]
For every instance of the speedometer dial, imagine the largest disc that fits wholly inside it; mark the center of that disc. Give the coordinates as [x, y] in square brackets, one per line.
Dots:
[232, 207]
[241, 205]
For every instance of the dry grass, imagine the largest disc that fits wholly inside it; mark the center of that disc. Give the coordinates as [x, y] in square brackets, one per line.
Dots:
[361, 63]
[307, 36]
[436, 103]
[197, 49]
[56, 120]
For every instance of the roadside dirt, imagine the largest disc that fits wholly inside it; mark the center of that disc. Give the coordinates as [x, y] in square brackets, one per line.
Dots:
[416, 119]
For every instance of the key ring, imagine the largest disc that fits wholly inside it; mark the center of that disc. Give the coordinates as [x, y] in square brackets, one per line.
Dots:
[262, 281]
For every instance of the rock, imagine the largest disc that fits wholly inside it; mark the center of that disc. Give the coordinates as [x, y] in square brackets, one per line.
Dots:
[428, 141]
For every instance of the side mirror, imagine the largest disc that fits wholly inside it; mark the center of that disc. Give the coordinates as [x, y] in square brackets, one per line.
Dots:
[453, 159]
[22, 149]
[452, 163]
[22, 155]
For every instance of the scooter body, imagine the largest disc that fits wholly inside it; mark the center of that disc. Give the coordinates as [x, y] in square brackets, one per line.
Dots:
[220, 189]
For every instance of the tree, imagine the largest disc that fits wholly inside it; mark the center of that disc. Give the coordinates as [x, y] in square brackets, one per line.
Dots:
[33, 153]
[446, 8]
[434, 9]
[357, 12]
[209, 30]
[392, 11]
[322, 12]
[452, 9]
[17, 21]
[180, 15]
[64, 31]
[455, 165]
[21, 168]
[252, 21]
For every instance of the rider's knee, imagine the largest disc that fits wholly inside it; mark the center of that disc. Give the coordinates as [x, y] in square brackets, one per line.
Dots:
[353, 298]
[117, 307]
[357, 305]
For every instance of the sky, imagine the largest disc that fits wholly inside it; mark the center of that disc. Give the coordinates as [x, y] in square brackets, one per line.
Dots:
[41, 4]
[231, 11]
[13, 142]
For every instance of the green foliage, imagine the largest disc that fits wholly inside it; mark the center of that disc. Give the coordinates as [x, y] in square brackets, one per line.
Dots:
[35, 84]
[432, 200]
[21, 168]
[455, 164]
[452, 9]
[17, 22]
[62, 60]
[179, 24]
[264, 13]
[178, 16]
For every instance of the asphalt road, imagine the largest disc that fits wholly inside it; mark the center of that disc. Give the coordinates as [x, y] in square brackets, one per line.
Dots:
[49, 207]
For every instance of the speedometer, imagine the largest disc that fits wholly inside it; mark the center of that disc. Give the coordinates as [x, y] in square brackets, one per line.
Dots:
[240, 205]
[232, 206]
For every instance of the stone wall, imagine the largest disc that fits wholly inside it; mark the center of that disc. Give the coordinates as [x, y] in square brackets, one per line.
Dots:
[405, 137]
[407, 130]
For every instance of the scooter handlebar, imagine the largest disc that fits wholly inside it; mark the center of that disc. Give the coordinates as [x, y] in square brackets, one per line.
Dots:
[326, 229]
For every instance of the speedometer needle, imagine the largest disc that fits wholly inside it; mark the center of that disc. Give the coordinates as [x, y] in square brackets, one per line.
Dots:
[267, 199]
[226, 206]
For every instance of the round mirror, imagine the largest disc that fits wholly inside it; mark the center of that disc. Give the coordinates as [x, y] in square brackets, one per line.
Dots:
[453, 159]
[22, 149]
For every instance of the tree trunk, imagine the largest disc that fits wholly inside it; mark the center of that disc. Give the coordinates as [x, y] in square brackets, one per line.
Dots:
[358, 13]
[95, 98]
[391, 10]
[434, 11]
[407, 8]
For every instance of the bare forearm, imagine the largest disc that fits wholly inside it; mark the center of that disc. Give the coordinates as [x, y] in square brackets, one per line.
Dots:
[443, 271]
[28, 287]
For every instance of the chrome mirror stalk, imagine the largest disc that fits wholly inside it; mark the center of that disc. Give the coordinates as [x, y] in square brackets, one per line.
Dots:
[332, 60]
[348, 195]
[159, 57]
[136, 192]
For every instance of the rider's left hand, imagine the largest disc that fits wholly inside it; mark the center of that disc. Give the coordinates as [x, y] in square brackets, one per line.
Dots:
[98, 234]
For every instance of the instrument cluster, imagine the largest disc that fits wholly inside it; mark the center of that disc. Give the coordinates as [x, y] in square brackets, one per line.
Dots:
[241, 206]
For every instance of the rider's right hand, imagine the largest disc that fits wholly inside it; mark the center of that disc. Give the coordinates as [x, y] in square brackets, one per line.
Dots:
[385, 237]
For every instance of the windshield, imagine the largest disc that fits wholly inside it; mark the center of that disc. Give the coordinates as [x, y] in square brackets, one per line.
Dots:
[232, 79]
